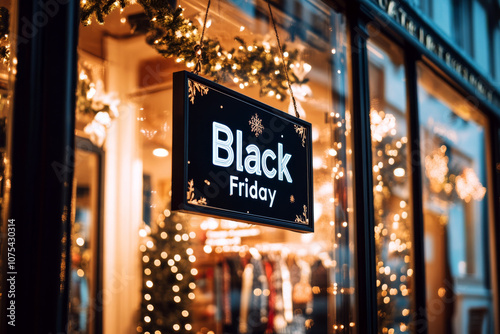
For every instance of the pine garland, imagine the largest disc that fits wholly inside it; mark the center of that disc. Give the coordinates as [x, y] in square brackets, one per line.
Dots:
[172, 35]
[99, 9]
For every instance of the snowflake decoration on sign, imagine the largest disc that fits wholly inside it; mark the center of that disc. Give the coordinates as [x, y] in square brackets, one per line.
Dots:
[196, 86]
[190, 195]
[302, 133]
[256, 125]
[292, 199]
[302, 219]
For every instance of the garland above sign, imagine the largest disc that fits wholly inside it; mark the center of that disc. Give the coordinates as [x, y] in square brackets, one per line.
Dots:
[174, 36]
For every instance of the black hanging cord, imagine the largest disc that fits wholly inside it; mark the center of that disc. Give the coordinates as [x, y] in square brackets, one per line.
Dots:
[285, 65]
[198, 47]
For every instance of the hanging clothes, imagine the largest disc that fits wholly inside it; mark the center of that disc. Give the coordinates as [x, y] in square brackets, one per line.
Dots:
[319, 282]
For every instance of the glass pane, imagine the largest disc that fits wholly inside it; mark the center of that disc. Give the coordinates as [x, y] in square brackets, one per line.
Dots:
[206, 275]
[8, 62]
[453, 157]
[83, 279]
[393, 223]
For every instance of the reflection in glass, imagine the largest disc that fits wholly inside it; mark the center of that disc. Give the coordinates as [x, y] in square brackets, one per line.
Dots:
[83, 244]
[216, 276]
[205, 275]
[453, 156]
[393, 224]
[8, 64]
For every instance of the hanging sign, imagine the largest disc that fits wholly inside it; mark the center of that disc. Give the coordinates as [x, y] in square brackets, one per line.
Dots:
[237, 158]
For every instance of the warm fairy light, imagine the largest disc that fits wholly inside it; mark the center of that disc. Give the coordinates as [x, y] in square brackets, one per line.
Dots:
[192, 258]
[194, 271]
[150, 307]
[192, 235]
[164, 255]
[80, 241]
[399, 172]
[142, 248]
[147, 271]
[142, 233]
[160, 152]
[207, 249]
[189, 251]
[191, 296]
[147, 319]
[332, 152]
[171, 262]
[157, 262]
[164, 235]
[188, 327]
[150, 244]
[149, 284]
[179, 277]
[176, 327]
[145, 259]
[147, 296]
[177, 238]
[177, 299]
[80, 272]
[469, 187]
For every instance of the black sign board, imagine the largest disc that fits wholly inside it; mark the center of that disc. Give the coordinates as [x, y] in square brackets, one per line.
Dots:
[237, 158]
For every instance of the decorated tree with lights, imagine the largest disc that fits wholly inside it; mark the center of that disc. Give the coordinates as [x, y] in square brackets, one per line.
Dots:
[168, 276]
[392, 227]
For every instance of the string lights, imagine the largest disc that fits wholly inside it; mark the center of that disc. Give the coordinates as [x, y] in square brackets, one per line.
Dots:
[392, 229]
[169, 276]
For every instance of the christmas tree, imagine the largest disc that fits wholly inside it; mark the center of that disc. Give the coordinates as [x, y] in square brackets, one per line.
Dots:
[392, 226]
[168, 276]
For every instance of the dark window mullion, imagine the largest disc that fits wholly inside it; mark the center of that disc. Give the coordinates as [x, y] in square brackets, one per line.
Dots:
[366, 292]
[420, 314]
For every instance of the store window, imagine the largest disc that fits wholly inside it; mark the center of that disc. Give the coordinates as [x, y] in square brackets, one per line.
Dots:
[8, 62]
[393, 221]
[164, 271]
[456, 223]
[86, 265]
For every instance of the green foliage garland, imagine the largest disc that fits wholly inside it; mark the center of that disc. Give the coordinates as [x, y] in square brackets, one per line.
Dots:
[172, 35]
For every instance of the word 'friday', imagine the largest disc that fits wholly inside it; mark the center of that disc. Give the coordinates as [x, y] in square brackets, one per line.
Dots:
[254, 191]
